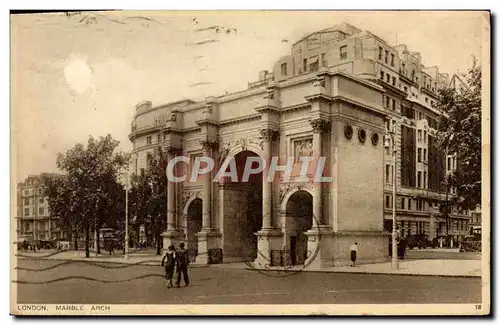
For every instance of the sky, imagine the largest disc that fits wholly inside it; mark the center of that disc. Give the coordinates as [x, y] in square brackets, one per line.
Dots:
[80, 75]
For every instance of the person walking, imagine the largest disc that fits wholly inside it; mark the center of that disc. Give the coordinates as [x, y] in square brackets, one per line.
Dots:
[182, 262]
[111, 247]
[168, 261]
[354, 252]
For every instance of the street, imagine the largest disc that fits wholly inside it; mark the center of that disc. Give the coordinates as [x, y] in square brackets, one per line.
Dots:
[420, 254]
[215, 285]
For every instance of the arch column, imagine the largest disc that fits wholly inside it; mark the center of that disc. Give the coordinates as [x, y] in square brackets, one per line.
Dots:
[208, 237]
[172, 236]
[319, 126]
[269, 238]
[320, 236]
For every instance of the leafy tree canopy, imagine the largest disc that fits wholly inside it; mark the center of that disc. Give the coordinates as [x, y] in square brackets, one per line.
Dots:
[459, 132]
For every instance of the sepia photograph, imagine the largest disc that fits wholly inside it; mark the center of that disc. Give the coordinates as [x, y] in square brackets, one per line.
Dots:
[250, 162]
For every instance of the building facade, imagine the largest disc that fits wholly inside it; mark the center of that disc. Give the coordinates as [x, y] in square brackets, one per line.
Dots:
[335, 95]
[34, 221]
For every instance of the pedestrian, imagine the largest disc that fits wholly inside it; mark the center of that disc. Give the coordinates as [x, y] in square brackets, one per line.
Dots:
[111, 247]
[354, 252]
[168, 261]
[403, 244]
[182, 261]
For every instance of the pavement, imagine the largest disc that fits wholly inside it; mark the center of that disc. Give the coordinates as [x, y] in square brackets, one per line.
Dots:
[76, 282]
[434, 262]
[432, 267]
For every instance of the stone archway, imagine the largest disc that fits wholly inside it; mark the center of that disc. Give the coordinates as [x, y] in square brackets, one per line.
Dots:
[298, 220]
[242, 216]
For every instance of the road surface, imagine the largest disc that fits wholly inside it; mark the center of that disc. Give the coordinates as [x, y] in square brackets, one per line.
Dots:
[211, 285]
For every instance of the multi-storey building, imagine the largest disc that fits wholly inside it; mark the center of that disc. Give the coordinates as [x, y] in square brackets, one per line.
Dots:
[336, 94]
[33, 218]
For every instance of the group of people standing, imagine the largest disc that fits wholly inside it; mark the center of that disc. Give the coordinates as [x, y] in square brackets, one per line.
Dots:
[402, 242]
[176, 261]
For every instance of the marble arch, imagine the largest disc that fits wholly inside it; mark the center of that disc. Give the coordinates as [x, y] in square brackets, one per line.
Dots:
[268, 119]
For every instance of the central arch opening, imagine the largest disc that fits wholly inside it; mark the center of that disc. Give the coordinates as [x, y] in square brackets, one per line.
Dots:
[194, 224]
[243, 212]
[298, 221]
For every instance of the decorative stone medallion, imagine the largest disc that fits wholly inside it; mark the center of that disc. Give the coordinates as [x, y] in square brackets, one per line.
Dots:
[374, 138]
[348, 131]
[361, 135]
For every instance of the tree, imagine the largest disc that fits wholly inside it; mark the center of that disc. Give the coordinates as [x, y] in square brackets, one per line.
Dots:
[139, 196]
[59, 196]
[459, 132]
[94, 193]
[148, 196]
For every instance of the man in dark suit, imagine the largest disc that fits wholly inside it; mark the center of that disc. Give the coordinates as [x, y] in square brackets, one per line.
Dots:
[182, 261]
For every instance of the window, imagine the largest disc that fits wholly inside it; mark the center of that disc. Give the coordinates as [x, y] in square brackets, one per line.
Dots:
[158, 137]
[406, 89]
[386, 56]
[426, 99]
[449, 163]
[425, 155]
[148, 139]
[304, 64]
[432, 103]
[393, 104]
[343, 52]
[403, 68]
[380, 49]
[41, 211]
[323, 59]
[314, 66]
[425, 136]
[387, 173]
[419, 132]
[388, 78]
[284, 71]
[425, 179]
[387, 101]
[27, 227]
[387, 201]
[164, 135]
[394, 81]
[402, 203]
[40, 200]
[409, 204]
[392, 59]
[419, 155]
[26, 201]
[381, 74]
[419, 181]
[26, 211]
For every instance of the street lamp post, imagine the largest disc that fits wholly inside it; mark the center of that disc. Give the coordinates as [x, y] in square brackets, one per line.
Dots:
[34, 219]
[390, 141]
[125, 256]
